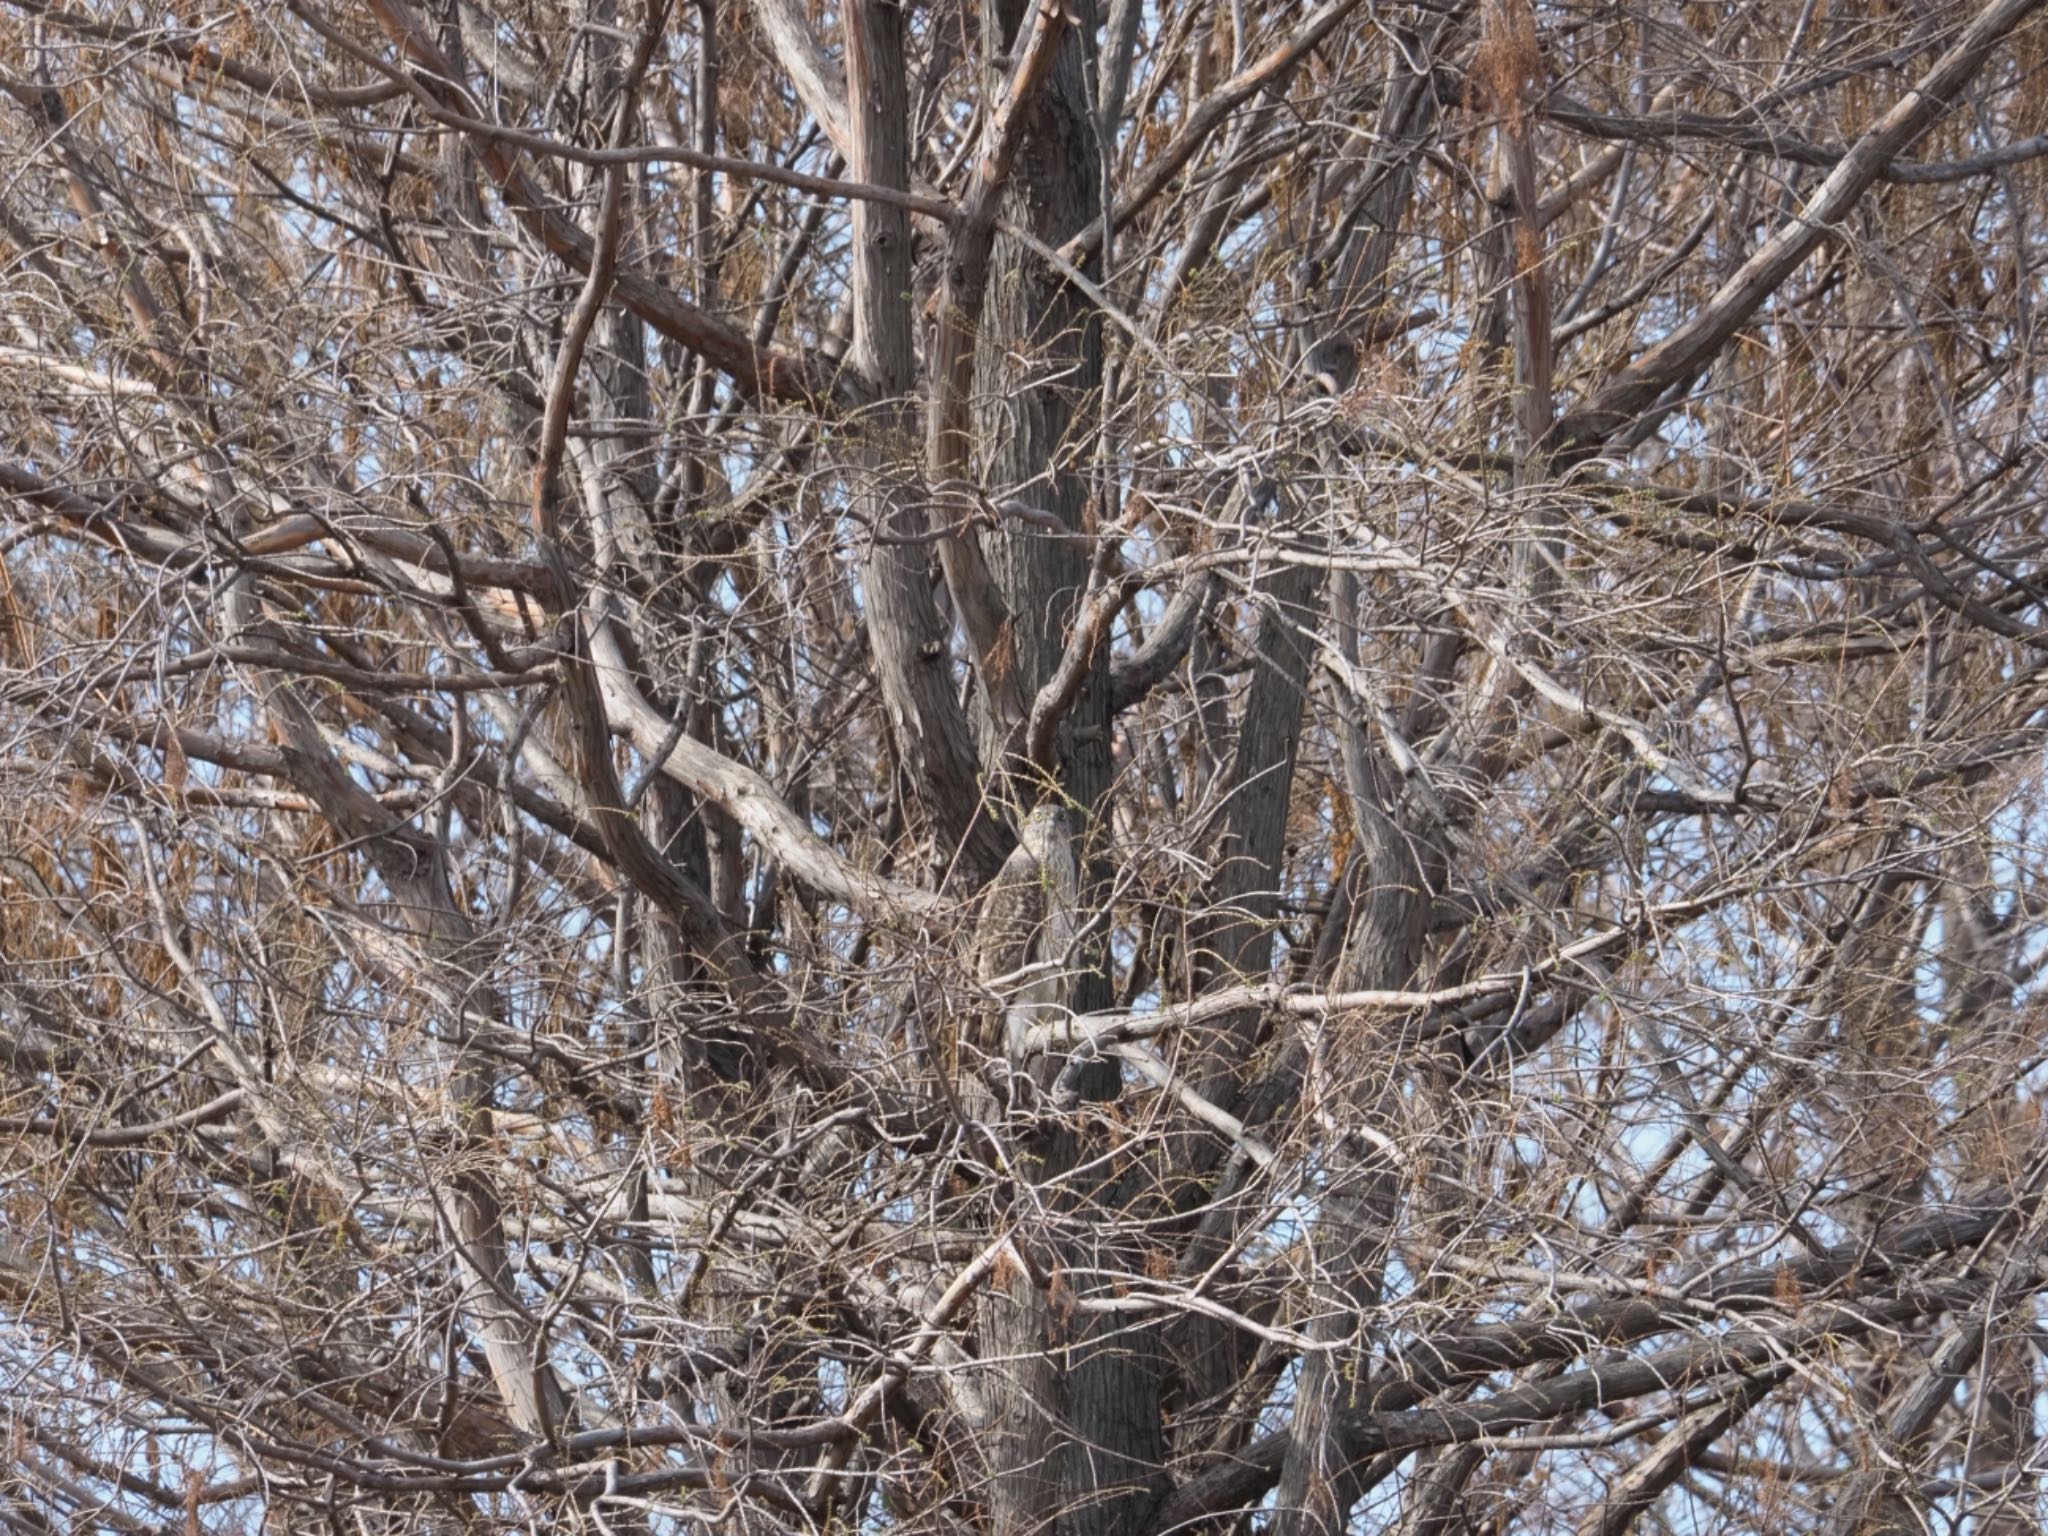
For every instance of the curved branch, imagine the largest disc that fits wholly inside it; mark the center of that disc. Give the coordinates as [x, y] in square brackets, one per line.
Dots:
[1677, 359]
[745, 796]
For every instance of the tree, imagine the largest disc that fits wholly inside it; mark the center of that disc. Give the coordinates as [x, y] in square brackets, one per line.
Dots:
[995, 767]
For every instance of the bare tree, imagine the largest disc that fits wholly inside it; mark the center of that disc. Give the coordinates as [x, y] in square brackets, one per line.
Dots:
[995, 767]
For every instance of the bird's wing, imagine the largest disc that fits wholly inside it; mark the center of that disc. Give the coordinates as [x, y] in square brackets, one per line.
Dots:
[1012, 908]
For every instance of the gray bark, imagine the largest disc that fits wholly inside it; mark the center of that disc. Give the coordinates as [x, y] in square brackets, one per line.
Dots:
[911, 644]
[1039, 370]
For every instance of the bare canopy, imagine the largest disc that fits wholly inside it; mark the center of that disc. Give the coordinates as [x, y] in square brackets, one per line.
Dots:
[1044, 766]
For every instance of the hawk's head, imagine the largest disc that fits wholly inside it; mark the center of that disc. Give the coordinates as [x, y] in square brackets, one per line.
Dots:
[1048, 833]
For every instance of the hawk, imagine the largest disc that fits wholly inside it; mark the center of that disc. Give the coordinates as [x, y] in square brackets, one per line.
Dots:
[1029, 921]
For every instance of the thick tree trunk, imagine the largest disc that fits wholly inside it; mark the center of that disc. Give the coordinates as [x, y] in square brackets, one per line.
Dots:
[1039, 372]
[911, 643]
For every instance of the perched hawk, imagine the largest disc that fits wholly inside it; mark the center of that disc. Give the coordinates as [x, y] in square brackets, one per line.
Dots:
[1029, 920]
